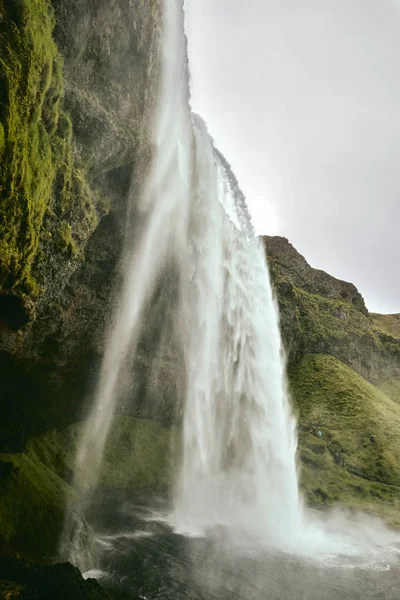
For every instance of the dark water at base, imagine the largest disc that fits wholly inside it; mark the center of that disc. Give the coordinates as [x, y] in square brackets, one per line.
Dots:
[141, 557]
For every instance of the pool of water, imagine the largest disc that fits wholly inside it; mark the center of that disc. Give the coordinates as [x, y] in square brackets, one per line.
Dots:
[140, 556]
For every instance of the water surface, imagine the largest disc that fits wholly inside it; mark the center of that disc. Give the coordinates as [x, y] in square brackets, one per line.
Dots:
[142, 557]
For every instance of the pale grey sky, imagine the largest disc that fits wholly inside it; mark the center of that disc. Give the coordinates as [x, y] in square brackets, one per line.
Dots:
[303, 99]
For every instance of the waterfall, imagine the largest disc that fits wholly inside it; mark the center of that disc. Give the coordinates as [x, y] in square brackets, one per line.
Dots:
[239, 438]
[238, 464]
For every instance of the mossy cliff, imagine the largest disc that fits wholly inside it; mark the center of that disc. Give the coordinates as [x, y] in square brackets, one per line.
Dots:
[46, 206]
[344, 379]
[78, 83]
[321, 314]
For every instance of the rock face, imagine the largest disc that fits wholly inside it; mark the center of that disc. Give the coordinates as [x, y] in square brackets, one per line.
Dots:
[344, 381]
[323, 315]
[91, 77]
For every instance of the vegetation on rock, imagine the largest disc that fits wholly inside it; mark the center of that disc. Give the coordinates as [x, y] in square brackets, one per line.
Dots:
[321, 314]
[24, 580]
[349, 443]
[46, 206]
[35, 485]
[389, 324]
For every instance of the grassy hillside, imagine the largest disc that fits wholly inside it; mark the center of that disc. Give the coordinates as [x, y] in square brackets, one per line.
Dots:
[387, 323]
[391, 387]
[356, 461]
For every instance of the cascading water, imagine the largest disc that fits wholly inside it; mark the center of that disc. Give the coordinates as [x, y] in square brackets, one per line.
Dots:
[238, 435]
[164, 205]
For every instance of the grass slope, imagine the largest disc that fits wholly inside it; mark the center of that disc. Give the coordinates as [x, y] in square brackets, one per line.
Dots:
[32, 505]
[139, 452]
[356, 462]
[386, 323]
[391, 387]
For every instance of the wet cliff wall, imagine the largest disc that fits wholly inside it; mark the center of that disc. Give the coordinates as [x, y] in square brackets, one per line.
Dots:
[78, 87]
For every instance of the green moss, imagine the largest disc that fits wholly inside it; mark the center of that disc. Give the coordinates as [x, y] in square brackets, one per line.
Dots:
[67, 242]
[323, 484]
[391, 387]
[2, 139]
[32, 505]
[139, 453]
[389, 324]
[324, 319]
[356, 462]
[39, 183]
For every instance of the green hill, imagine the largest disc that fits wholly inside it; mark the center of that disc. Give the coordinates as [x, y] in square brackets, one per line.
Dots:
[349, 438]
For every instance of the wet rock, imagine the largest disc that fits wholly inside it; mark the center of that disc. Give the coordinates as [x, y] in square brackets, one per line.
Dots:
[29, 581]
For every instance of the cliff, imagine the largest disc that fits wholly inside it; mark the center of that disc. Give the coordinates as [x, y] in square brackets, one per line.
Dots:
[321, 314]
[344, 379]
[78, 85]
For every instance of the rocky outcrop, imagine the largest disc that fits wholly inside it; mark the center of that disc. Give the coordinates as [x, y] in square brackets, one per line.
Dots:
[323, 315]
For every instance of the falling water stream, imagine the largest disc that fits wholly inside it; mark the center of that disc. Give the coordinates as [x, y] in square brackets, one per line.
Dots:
[238, 465]
[238, 435]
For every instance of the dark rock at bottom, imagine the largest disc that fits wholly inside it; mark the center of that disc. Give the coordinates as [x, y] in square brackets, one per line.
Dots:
[23, 580]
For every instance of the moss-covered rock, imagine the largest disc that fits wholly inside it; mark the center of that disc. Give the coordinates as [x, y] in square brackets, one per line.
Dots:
[32, 505]
[35, 485]
[391, 387]
[389, 324]
[42, 190]
[25, 580]
[349, 443]
[321, 314]
[139, 452]
[78, 90]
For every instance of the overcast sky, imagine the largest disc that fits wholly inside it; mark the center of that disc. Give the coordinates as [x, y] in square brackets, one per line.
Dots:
[303, 98]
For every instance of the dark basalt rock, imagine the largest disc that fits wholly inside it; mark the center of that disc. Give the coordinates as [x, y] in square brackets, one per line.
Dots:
[13, 313]
[28, 581]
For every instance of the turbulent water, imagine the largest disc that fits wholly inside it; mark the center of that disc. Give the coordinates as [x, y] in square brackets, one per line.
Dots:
[142, 557]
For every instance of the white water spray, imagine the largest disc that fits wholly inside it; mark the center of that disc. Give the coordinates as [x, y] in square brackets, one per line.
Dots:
[164, 204]
[238, 436]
